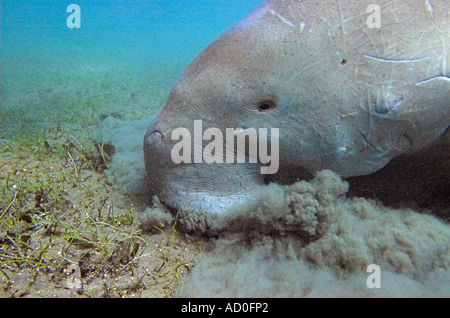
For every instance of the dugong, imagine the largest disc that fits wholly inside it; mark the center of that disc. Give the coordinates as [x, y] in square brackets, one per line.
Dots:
[339, 85]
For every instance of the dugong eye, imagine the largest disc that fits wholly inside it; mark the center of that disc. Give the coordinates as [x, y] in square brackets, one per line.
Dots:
[266, 105]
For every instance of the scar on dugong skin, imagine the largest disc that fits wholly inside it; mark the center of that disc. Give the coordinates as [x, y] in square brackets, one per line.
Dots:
[344, 96]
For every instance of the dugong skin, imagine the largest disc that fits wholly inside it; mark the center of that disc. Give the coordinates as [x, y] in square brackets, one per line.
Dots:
[346, 97]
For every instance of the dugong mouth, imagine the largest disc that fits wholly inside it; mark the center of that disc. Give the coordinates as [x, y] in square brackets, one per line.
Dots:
[211, 187]
[206, 187]
[205, 202]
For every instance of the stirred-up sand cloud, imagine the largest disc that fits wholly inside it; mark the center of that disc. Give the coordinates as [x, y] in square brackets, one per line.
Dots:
[307, 239]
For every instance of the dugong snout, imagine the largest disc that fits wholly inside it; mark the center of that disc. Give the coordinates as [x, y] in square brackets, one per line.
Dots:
[155, 139]
[157, 131]
[192, 186]
[155, 149]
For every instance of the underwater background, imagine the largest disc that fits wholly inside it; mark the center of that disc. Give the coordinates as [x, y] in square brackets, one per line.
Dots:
[123, 59]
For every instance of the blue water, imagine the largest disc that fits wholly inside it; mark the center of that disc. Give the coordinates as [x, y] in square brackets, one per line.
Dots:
[123, 59]
[171, 30]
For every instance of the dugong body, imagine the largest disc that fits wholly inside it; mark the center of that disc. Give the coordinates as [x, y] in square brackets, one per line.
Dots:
[350, 85]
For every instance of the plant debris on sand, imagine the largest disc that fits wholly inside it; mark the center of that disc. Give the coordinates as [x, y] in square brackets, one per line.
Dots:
[66, 232]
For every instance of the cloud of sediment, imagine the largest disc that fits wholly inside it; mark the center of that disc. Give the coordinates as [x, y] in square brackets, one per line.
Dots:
[301, 240]
[308, 239]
